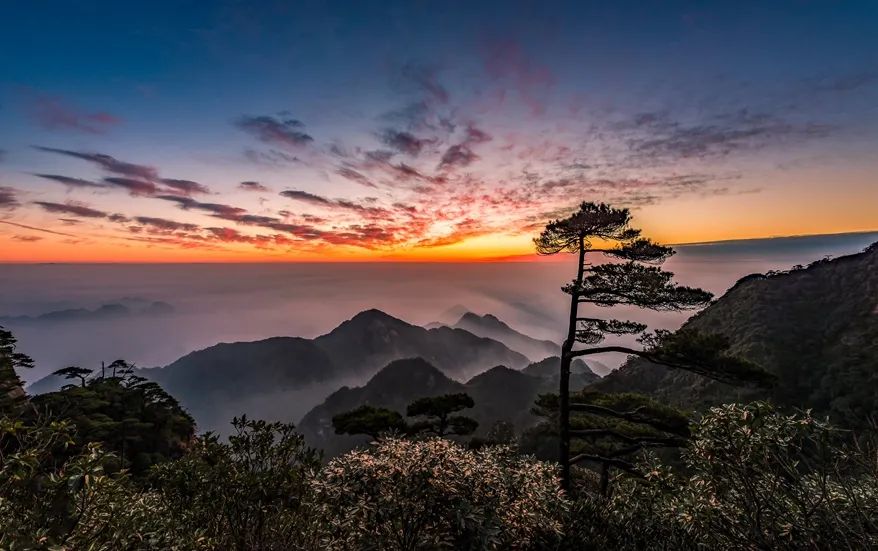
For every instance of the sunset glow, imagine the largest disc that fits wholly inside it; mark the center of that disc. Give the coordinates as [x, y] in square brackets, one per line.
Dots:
[411, 133]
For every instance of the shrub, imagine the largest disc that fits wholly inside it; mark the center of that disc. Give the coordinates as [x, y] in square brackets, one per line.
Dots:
[435, 494]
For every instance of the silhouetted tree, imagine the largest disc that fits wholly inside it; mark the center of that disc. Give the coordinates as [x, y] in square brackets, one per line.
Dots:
[368, 420]
[437, 415]
[630, 276]
[609, 428]
[74, 372]
[130, 416]
[12, 394]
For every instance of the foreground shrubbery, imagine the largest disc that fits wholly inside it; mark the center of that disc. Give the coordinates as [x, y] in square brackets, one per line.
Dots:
[751, 479]
[435, 494]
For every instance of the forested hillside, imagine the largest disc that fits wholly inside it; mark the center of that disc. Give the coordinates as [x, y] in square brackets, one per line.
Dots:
[815, 327]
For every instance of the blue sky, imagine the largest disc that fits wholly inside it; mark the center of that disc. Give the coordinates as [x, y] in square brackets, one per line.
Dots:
[508, 112]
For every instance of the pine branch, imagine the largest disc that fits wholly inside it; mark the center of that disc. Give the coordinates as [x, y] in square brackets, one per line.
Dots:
[733, 371]
[654, 440]
[612, 461]
[633, 416]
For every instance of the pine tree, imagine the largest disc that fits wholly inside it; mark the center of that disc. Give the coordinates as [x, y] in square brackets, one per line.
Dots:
[437, 415]
[12, 394]
[631, 276]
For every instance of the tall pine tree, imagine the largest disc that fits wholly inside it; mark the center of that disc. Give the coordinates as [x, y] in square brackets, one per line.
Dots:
[627, 273]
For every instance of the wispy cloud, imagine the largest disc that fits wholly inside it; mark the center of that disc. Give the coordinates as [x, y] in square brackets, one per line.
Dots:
[75, 209]
[54, 113]
[253, 186]
[8, 198]
[187, 187]
[72, 182]
[108, 163]
[281, 132]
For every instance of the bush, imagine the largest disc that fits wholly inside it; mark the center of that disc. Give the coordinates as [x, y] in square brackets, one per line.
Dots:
[751, 478]
[72, 503]
[250, 493]
[434, 494]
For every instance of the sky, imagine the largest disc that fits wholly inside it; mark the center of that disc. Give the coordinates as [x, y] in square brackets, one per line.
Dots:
[193, 131]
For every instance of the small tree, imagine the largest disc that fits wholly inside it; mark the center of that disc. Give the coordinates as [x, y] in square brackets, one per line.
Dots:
[368, 420]
[74, 372]
[11, 391]
[437, 411]
[630, 276]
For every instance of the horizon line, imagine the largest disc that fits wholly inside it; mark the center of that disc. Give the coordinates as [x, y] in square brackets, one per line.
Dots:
[523, 258]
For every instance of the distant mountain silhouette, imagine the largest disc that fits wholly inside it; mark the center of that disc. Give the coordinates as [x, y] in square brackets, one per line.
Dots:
[500, 394]
[816, 328]
[491, 327]
[550, 368]
[104, 312]
[371, 339]
[284, 377]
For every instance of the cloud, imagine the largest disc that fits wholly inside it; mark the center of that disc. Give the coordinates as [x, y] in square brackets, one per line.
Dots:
[275, 131]
[343, 204]
[53, 113]
[8, 198]
[506, 62]
[306, 197]
[725, 134]
[476, 135]
[845, 83]
[71, 182]
[424, 79]
[165, 224]
[457, 155]
[27, 238]
[34, 228]
[405, 142]
[355, 176]
[186, 186]
[187, 203]
[135, 187]
[74, 209]
[108, 163]
[253, 186]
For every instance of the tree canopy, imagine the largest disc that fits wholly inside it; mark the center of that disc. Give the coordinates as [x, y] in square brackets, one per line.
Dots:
[629, 275]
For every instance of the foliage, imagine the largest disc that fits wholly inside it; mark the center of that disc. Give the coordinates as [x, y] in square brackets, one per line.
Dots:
[435, 494]
[250, 493]
[751, 479]
[52, 500]
[368, 420]
[814, 329]
[132, 417]
[436, 412]
[609, 429]
[12, 394]
[631, 276]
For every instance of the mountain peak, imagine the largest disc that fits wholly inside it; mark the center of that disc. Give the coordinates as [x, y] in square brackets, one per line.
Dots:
[492, 327]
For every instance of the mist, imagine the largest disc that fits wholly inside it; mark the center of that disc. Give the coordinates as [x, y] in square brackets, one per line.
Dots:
[214, 303]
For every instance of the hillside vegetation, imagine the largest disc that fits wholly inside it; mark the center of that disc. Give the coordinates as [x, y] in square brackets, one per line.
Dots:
[814, 327]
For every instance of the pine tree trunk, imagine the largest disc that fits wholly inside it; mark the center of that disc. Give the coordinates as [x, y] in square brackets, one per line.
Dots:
[566, 360]
[605, 479]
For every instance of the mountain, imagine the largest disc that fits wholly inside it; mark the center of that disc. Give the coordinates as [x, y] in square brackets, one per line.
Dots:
[491, 327]
[500, 394]
[284, 377]
[393, 387]
[372, 338]
[104, 312]
[549, 368]
[815, 327]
